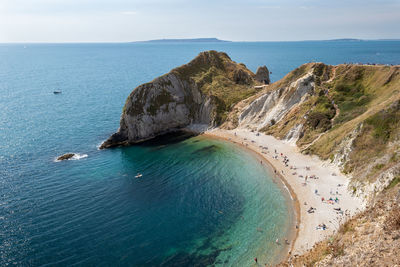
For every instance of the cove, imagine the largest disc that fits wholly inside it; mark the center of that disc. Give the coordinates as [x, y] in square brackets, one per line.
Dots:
[200, 201]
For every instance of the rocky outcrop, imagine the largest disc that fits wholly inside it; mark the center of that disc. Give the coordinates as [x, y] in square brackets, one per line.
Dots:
[166, 104]
[347, 114]
[201, 92]
[66, 156]
[271, 107]
[262, 75]
[344, 149]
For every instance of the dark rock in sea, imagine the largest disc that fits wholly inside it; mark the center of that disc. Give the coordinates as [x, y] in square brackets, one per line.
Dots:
[66, 156]
[262, 75]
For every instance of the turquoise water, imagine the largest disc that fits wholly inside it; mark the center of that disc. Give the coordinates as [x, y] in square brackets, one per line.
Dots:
[199, 200]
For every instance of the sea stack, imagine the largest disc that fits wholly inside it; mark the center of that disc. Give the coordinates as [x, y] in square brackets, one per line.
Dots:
[262, 75]
[201, 92]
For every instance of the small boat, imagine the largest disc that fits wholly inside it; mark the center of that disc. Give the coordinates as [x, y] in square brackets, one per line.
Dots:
[138, 175]
[56, 92]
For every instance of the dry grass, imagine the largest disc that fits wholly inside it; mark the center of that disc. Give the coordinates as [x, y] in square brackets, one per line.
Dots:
[392, 222]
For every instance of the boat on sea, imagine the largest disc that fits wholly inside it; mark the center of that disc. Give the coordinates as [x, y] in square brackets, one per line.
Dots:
[138, 175]
[56, 92]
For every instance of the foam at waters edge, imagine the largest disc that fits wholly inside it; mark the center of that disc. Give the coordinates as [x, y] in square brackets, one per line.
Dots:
[79, 156]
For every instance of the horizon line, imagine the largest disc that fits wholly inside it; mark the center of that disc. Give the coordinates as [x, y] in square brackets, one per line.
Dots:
[178, 39]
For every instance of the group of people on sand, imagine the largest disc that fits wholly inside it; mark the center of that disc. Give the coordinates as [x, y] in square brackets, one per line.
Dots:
[333, 199]
[330, 200]
[321, 226]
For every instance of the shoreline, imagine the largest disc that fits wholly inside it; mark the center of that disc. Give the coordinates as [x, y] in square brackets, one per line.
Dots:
[309, 191]
[284, 186]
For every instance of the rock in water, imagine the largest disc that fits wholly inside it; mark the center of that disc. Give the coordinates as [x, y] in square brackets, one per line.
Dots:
[262, 75]
[66, 156]
[200, 92]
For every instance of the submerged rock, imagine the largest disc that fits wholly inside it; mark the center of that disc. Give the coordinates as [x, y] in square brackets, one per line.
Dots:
[66, 156]
[200, 92]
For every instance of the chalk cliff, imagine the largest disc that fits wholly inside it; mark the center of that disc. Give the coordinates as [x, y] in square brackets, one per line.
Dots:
[347, 114]
[200, 92]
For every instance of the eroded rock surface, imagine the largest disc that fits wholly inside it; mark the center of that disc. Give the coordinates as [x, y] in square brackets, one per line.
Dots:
[201, 92]
[262, 75]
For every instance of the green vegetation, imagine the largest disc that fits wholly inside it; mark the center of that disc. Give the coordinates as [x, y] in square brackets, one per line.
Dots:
[164, 98]
[321, 115]
[351, 99]
[212, 72]
[379, 166]
[216, 75]
[137, 106]
[318, 120]
[385, 123]
[393, 183]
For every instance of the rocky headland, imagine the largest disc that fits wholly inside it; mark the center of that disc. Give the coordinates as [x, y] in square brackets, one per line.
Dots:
[201, 92]
[346, 115]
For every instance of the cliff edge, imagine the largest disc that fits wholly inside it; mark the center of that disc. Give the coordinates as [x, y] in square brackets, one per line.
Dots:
[200, 92]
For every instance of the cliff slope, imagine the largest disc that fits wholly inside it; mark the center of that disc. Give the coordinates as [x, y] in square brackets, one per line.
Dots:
[348, 115]
[200, 92]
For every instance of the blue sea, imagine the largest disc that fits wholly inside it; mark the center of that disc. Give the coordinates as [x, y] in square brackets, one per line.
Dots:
[200, 201]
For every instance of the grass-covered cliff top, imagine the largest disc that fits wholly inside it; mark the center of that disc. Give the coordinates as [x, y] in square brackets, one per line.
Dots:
[352, 118]
[354, 113]
[212, 72]
[215, 74]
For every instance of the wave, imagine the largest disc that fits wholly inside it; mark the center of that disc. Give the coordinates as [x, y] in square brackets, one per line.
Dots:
[79, 156]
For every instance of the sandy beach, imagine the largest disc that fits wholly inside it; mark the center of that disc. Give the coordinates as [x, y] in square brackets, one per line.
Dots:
[318, 188]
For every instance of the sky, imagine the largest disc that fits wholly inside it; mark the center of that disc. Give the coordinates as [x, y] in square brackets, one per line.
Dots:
[250, 20]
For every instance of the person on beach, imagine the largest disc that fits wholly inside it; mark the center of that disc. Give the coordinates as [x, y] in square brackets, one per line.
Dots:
[277, 241]
[255, 259]
[322, 199]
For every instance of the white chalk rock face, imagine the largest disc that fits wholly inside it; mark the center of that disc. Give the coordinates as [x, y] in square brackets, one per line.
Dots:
[158, 107]
[192, 96]
[273, 106]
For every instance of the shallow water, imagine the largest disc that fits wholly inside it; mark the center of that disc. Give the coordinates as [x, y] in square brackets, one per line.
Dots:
[199, 200]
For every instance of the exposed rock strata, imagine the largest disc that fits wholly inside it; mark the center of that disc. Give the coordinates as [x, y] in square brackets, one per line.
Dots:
[271, 107]
[348, 115]
[201, 92]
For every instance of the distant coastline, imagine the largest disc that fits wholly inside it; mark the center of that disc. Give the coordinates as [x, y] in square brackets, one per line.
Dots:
[184, 40]
[216, 40]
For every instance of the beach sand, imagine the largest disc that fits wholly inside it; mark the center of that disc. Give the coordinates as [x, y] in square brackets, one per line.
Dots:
[303, 192]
